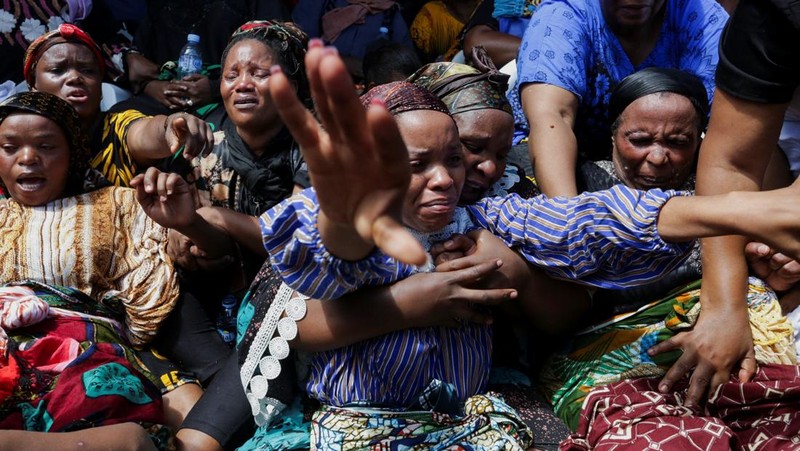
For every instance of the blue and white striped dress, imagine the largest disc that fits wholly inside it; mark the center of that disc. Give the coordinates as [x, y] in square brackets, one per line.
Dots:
[607, 239]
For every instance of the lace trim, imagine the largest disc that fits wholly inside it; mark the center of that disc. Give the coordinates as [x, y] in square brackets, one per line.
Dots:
[268, 349]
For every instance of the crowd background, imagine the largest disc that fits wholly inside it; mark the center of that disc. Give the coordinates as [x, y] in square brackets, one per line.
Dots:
[146, 189]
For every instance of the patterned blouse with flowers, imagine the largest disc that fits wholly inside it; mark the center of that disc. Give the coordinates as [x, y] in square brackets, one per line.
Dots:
[569, 44]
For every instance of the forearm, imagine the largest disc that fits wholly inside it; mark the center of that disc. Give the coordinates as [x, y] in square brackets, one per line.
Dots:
[343, 241]
[124, 436]
[724, 265]
[725, 277]
[355, 317]
[240, 227]
[214, 241]
[553, 149]
[555, 157]
[147, 140]
[733, 157]
[501, 47]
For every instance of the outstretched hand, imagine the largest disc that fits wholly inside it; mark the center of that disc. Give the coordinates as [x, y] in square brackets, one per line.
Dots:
[710, 354]
[165, 197]
[191, 132]
[356, 159]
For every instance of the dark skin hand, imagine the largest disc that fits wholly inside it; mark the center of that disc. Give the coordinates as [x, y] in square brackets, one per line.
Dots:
[158, 89]
[780, 271]
[353, 223]
[140, 70]
[551, 306]
[190, 132]
[191, 92]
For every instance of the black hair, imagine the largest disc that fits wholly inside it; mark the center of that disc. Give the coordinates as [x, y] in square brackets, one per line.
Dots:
[654, 80]
[390, 61]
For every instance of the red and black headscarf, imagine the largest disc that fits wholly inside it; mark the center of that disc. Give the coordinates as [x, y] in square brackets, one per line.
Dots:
[64, 34]
[402, 96]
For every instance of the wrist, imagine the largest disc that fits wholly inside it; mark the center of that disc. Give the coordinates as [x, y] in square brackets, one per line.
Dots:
[342, 240]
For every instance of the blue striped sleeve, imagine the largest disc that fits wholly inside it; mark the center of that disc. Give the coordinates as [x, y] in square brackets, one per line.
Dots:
[607, 239]
[291, 237]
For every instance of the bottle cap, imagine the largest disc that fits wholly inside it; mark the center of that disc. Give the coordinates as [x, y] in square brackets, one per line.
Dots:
[193, 38]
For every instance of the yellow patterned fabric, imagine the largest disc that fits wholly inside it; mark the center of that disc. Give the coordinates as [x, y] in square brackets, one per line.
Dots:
[435, 32]
[100, 243]
[112, 158]
[616, 350]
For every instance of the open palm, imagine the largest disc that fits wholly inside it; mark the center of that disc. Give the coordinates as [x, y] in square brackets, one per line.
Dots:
[356, 158]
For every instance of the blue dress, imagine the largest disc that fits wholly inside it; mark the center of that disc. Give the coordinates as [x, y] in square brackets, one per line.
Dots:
[568, 44]
[606, 239]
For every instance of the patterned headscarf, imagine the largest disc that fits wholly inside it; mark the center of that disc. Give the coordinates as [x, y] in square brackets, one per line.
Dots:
[65, 33]
[402, 96]
[288, 42]
[466, 88]
[658, 79]
[62, 113]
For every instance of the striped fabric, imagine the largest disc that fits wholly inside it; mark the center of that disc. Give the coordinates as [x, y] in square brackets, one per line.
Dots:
[392, 370]
[607, 239]
[100, 243]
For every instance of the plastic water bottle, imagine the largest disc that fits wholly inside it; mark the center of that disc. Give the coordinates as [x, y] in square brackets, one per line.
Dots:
[383, 33]
[381, 40]
[190, 61]
[226, 321]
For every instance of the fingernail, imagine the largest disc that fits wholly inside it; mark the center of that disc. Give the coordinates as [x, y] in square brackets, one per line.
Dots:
[378, 101]
[663, 388]
[275, 69]
[331, 50]
[650, 352]
[315, 42]
[512, 295]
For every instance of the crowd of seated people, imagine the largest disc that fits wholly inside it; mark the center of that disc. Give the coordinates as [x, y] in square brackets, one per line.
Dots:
[423, 254]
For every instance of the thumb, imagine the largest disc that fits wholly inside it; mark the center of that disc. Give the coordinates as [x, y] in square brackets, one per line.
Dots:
[395, 241]
[193, 77]
[748, 366]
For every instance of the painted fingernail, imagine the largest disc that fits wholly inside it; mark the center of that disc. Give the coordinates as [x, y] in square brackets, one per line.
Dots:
[315, 42]
[275, 69]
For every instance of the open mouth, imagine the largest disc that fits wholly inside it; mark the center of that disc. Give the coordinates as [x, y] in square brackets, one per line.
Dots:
[653, 182]
[77, 96]
[475, 186]
[245, 103]
[31, 184]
